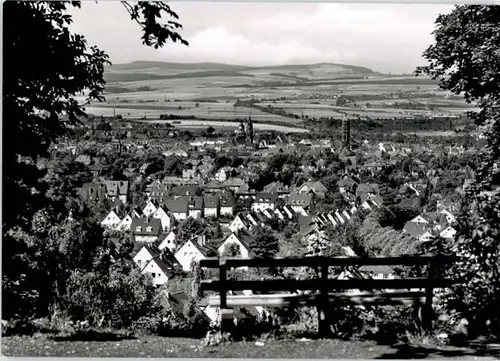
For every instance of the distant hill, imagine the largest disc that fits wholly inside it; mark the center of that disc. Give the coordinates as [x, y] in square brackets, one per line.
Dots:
[340, 67]
[126, 77]
[158, 70]
[142, 65]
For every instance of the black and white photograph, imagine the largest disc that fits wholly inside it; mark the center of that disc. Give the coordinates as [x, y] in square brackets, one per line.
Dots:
[271, 179]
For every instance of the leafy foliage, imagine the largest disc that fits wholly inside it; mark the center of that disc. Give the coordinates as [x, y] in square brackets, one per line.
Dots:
[465, 59]
[113, 296]
[42, 245]
[265, 243]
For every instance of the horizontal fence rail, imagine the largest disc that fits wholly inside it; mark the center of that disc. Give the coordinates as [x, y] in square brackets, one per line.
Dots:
[317, 284]
[409, 260]
[290, 300]
[410, 290]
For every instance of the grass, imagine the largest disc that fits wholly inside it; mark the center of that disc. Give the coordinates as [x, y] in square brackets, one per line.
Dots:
[153, 346]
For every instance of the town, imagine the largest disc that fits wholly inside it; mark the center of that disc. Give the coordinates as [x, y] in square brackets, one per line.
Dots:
[250, 180]
[247, 193]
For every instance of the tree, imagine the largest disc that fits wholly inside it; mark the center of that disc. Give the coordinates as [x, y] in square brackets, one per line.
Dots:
[231, 250]
[210, 130]
[190, 228]
[114, 296]
[265, 243]
[39, 105]
[465, 59]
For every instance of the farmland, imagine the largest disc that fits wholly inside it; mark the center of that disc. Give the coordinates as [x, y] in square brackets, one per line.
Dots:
[290, 95]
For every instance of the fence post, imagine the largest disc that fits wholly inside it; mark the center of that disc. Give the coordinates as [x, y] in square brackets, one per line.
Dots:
[226, 314]
[427, 313]
[322, 307]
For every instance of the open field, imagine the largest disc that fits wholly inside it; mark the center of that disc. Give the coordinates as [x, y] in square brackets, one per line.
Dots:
[228, 124]
[184, 347]
[185, 108]
[208, 91]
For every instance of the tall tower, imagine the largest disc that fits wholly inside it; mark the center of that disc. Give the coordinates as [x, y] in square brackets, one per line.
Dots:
[346, 133]
[250, 129]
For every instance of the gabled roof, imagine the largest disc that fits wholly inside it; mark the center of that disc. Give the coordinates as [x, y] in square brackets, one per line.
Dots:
[227, 201]
[211, 201]
[243, 218]
[245, 189]
[258, 216]
[276, 187]
[174, 151]
[244, 238]
[317, 186]
[214, 184]
[204, 250]
[414, 229]
[115, 188]
[382, 269]
[120, 213]
[233, 182]
[93, 189]
[347, 182]
[195, 203]
[263, 197]
[296, 199]
[183, 191]
[173, 205]
[144, 223]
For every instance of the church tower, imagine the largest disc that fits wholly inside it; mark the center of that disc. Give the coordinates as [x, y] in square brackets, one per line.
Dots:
[346, 133]
[250, 129]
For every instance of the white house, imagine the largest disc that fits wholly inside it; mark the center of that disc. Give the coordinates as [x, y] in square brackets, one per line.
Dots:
[279, 214]
[179, 208]
[125, 223]
[449, 216]
[264, 201]
[347, 215]
[169, 242]
[227, 206]
[252, 219]
[300, 203]
[378, 272]
[240, 240]
[112, 220]
[144, 256]
[149, 209]
[238, 223]
[158, 270]
[195, 207]
[268, 214]
[192, 250]
[332, 219]
[211, 204]
[150, 262]
[419, 220]
[146, 229]
[342, 221]
[426, 236]
[288, 212]
[162, 215]
[222, 174]
[448, 232]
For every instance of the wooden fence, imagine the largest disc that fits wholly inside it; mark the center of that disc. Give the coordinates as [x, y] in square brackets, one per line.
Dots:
[327, 290]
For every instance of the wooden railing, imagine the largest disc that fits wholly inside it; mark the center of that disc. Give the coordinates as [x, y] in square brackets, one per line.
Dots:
[410, 289]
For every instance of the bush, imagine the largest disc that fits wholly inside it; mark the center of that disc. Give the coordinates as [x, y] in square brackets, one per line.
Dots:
[114, 297]
[17, 327]
[189, 323]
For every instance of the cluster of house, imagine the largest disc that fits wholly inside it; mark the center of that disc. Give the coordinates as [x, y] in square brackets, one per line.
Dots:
[428, 225]
[116, 191]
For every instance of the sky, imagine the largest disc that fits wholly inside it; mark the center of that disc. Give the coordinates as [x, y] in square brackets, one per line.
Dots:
[384, 37]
